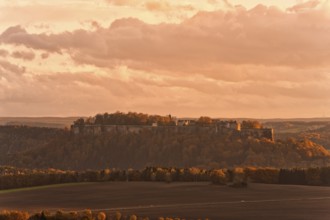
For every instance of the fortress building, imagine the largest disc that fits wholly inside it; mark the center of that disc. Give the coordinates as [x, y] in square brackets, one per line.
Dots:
[231, 127]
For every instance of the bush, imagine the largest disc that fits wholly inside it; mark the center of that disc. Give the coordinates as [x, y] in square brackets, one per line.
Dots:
[59, 215]
[87, 215]
[118, 216]
[325, 176]
[263, 175]
[218, 177]
[313, 176]
[101, 216]
[168, 177]
[133, 217]
[13, 215]
[239, 178]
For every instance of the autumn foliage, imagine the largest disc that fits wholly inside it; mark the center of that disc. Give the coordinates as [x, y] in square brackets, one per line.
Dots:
[82, 215]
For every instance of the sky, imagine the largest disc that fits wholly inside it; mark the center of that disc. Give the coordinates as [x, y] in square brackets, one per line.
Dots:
[188, 58]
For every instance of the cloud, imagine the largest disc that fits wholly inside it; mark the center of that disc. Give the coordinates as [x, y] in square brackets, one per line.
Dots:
[263, 43]
[44, 55]
[11, 76]
[7, 67]
[262, 62]
[181, 95]
[155, 6]
[42, 26]
[18, 36]
[42, 94]
[212, 2]
[44, 14]
[25, 55]
[260, 36]
[163, 6]
[3, 53]
[227, 4]
[304, 6]
[123, 2]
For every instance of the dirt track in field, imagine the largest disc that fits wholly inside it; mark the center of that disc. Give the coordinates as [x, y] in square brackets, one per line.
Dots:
[189, 200]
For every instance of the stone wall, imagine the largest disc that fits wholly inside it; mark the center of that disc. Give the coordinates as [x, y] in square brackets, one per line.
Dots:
[267, 133]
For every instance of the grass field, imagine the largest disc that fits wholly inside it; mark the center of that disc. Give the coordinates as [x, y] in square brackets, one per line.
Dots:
[190, 200]
[40, 187]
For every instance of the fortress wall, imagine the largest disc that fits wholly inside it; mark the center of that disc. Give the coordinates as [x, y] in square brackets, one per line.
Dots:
[110, 128]
[243, 133]
[136, 129]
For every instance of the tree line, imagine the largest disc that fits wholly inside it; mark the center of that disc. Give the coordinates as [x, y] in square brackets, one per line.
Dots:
[73, 215]
[130, 118]
[134, 118]
[17, 178]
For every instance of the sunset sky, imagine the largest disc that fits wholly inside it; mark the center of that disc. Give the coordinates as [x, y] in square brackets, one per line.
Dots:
[221, 58]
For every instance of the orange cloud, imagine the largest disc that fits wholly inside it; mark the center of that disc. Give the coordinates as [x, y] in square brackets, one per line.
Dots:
[25, 55]
[44, 55]
[304, 6]
[262, 62]
[9, 68]
[202, 44]
[3, 53]
[164, 6]
[124, 2]
[18, 36]
[227, 4]
[154, 6]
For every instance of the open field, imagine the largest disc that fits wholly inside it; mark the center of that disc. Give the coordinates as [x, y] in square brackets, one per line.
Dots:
[190, 200]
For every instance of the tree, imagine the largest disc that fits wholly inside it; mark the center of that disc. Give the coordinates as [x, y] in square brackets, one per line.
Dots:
[204, 121]
[79, 122]
[117, 216]
[101, 216]
[251, 124]
[218, 177]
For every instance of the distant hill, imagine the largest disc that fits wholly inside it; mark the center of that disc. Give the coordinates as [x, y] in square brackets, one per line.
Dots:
[61, 122]
[322, 119]
[317, 131]
[50, 122]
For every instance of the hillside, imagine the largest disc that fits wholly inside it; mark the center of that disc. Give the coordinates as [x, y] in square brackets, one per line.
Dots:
[58, 148]
[317, 131]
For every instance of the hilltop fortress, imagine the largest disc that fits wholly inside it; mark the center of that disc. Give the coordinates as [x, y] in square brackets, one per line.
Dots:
[100, 124]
